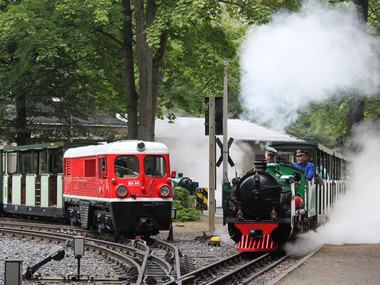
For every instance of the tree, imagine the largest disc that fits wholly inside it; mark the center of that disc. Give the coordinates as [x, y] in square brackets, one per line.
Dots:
[148, 66]
[356, 113]
[323, 123]
[72, 51]
[153, 31]
[194, 67]
[46, 55]
[157, 26]
[138, 57]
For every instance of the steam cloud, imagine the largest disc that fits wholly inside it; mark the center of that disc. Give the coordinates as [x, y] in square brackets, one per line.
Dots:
[306, 56]
[356, 216]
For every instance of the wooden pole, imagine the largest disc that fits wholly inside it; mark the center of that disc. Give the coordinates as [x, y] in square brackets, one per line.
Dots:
[225, 122]
[212, 166]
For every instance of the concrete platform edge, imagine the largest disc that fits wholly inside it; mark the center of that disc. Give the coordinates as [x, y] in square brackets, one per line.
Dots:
[298, 264]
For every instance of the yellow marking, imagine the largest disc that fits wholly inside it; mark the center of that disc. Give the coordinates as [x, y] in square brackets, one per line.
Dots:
[215, 239]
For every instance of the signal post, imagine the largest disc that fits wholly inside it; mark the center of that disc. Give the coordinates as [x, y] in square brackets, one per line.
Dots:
[212, 167]
[216, 124]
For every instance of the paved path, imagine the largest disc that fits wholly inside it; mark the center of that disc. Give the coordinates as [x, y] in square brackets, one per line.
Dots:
[346, 264]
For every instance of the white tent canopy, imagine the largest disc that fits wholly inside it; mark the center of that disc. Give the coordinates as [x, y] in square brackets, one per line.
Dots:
[238, 129]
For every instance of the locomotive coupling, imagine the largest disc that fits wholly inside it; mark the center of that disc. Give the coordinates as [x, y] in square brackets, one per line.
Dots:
[256, 234]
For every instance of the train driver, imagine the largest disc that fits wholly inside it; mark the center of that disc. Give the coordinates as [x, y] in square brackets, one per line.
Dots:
[303, 164]
[270, 154]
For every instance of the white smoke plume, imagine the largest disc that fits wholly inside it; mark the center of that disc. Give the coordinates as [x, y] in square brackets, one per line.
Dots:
[356, 216]
[306, 56]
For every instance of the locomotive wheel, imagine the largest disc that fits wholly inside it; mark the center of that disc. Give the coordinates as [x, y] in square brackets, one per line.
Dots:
[234, 232]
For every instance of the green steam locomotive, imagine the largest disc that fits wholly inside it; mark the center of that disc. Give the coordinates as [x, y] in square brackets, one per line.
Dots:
[274, 201]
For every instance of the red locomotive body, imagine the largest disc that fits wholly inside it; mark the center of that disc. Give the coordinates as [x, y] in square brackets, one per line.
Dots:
[123, 187]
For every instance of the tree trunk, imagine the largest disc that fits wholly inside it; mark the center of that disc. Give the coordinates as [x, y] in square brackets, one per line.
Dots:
[22, 133]
[129, 73]
[145, 65]
[363, 5]
[157, 62]
[356, 112]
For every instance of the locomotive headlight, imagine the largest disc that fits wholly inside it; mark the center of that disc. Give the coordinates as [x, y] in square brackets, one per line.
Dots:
[140, 146]
[164, 191]
[122, 191]
[273, 215]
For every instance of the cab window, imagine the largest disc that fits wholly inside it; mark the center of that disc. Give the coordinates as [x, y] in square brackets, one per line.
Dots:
[126, 166]
[154, 166]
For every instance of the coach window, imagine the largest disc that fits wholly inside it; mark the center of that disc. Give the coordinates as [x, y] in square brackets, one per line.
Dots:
[55, 161]
[127, 166]
[42, 167]
[12, 161]
[155, 166]
[26, 162]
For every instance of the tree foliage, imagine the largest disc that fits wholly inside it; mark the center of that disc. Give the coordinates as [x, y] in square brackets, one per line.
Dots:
[185, 205]
[329, 122]
[323, 123]
[110, 55]
[194, 68]
[142, 59]
[45, 54]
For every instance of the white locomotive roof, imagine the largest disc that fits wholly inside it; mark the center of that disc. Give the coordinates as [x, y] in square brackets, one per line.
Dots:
[119, 147]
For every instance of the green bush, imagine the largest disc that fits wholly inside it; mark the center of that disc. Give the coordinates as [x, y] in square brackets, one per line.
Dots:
[185, 205]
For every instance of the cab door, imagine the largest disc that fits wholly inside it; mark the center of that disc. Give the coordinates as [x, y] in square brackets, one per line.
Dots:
[155, 170]
[103, 186]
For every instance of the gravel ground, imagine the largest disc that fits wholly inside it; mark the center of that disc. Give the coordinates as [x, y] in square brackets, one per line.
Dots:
[200, 254]
[32, 251]
[270, 275]
[187, 237]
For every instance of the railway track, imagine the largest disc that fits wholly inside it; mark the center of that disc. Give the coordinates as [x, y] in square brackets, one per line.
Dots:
[156, 263]
[236, 269]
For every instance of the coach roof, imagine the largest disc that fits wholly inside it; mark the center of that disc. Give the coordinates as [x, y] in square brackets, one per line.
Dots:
[119, 147]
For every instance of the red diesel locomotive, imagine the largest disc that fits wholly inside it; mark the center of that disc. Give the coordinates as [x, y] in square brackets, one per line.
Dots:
[122, 187]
